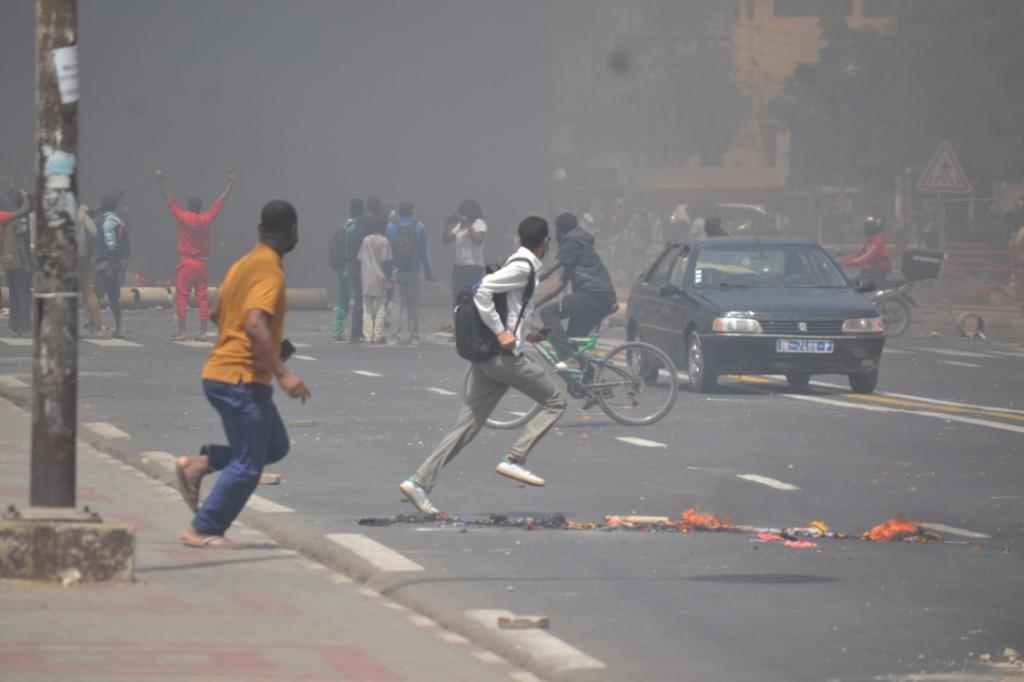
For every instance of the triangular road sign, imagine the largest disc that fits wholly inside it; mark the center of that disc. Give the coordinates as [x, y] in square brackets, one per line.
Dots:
[944, 174]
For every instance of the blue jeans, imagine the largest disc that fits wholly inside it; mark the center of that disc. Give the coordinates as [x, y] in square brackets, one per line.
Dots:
[256, 437]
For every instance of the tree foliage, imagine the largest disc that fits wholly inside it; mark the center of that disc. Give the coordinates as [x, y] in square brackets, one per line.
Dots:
[882, 103]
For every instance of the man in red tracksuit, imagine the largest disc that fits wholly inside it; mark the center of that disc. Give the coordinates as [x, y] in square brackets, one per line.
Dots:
[873, 259]
[194, 227]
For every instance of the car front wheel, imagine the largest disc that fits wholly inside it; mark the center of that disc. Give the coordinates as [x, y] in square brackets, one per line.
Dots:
[703, 375]
[864, 382]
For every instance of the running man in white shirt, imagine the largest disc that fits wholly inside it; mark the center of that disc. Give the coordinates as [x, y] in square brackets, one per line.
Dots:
[510, 369]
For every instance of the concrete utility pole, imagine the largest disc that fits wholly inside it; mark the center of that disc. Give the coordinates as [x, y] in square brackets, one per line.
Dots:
[51, 540]
[55, 285]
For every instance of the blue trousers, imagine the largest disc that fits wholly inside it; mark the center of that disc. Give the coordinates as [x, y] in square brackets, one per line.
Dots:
[256, 437]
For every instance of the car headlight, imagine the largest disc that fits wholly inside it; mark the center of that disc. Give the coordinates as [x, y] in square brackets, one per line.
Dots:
[864, 325]
[736, 325]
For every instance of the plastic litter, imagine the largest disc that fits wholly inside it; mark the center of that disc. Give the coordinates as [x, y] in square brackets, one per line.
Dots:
[800, 544]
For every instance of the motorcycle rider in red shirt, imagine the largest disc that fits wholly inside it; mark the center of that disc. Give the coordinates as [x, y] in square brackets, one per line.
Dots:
[873, 259]
[194, 226]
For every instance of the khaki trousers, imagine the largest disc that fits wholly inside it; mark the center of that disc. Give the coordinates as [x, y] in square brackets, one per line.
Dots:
[490, 380]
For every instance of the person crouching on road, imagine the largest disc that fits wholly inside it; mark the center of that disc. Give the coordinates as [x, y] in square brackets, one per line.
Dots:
[510, 369]
[249, 313]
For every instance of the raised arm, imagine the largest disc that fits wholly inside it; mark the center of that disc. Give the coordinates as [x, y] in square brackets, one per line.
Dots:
[163, 188]
[227, 189]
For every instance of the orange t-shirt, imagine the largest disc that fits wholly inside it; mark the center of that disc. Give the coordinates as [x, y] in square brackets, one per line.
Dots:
[255, 281]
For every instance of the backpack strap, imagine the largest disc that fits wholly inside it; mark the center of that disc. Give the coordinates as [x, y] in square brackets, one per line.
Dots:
[527, 291]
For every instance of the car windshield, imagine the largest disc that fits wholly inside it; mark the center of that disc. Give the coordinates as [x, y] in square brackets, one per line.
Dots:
[765, 265]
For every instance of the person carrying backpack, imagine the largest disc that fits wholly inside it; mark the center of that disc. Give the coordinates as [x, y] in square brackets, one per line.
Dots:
[339, 263]
[509, 368]
[409, 245]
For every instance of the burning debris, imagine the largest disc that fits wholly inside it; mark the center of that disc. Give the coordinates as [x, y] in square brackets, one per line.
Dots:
[691, 520]
[900, 529]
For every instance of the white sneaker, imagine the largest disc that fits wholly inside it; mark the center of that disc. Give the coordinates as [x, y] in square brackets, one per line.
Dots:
[418, 496]
[519, 473]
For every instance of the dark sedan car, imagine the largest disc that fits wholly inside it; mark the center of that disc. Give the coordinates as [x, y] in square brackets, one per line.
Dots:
[756, 306]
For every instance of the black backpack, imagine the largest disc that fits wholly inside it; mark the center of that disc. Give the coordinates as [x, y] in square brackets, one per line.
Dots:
[474, 340]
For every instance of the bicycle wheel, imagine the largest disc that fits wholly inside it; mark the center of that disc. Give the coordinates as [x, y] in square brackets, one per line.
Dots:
[622, 390]
[514, 410]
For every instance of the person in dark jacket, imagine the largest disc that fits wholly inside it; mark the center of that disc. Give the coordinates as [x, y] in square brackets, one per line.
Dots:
[593, 293]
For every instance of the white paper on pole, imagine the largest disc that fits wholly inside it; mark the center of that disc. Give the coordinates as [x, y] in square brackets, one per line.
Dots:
[65, 61]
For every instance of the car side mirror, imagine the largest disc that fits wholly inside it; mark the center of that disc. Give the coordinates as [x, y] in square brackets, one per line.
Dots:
[669, 289]
[863, 287]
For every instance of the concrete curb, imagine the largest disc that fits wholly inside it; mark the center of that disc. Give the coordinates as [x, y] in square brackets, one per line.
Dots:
[410, 591]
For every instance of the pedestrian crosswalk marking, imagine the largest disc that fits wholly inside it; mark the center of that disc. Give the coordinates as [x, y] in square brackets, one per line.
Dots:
[15, 341]
[306, 358]
[366, 373]
[114, 343]
[640, 442]
[440, 391]
[11, 381]
[195, 344]
[953, 530]
[381, 556]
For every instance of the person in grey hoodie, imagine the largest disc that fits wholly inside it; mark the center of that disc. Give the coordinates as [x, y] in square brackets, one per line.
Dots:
[593, 293]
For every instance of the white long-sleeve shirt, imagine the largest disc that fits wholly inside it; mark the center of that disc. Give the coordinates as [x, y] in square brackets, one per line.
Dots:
[511, 280]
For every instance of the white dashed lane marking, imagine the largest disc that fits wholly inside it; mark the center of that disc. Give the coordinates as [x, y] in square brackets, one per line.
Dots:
[770, 482]
[953, 530]
[105, 430]
[440, 391]
[262, 504]
[541, 645]
[453, 637]
[307, 358]
[11, 381]
[366, 373]
[113, 343]
[640, 442]
[195, 344]
[955, 353]
[381, 556]
[957, 363]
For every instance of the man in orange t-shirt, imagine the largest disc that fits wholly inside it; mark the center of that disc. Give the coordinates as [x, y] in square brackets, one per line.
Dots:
[249, 313]
[194, 226]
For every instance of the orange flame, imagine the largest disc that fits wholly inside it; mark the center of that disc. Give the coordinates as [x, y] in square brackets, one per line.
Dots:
[693, 518]
[893, 529]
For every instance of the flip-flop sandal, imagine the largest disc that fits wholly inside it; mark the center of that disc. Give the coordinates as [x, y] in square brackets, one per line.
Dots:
[189, 493]
[211, 542]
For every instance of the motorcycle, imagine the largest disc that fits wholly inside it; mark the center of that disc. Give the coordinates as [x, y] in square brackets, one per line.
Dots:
[894, 305]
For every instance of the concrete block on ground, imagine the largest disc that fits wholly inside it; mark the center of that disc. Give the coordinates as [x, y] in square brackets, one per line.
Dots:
[51, 550]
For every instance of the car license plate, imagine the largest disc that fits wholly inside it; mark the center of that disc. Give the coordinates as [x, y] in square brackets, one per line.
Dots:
[803, 346]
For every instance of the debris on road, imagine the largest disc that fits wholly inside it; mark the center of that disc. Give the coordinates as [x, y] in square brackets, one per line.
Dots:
[270, 479]
[899, 529]
[691, 520]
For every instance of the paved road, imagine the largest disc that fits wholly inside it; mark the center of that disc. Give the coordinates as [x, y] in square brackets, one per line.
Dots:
[942, 442]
